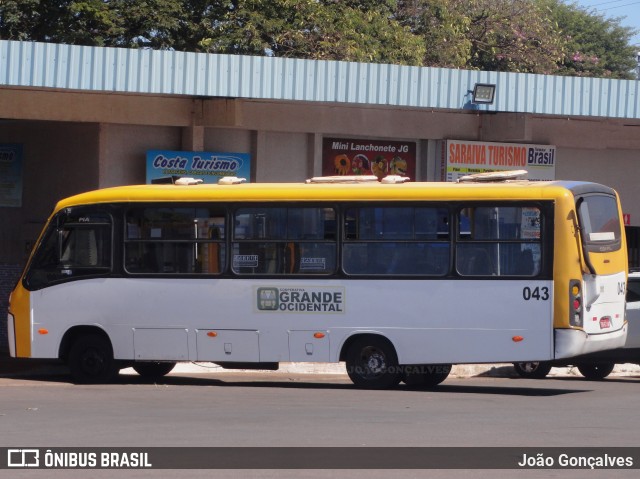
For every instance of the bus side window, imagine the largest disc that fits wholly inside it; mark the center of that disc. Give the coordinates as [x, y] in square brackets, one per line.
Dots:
[396, 240]
[180, 241]
[283, 239]
[525, 265]
[474, 261]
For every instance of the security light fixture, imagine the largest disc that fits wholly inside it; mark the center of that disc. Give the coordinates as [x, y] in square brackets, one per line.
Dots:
[483, 93]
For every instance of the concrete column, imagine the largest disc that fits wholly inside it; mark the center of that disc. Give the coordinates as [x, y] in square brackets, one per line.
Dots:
[193, 138]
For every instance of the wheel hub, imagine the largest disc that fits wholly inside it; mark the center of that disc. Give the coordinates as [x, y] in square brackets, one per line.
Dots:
[376, 363]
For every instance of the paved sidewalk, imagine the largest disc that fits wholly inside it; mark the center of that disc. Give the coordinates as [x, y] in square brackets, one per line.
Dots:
[25, 367]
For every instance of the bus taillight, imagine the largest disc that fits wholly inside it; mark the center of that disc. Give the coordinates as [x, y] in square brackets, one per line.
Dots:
[575, 303]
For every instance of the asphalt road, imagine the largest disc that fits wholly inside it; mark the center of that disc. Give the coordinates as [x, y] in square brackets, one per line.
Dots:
[290, 410]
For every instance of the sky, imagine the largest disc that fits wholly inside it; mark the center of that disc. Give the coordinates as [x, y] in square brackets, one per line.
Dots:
[615, 8]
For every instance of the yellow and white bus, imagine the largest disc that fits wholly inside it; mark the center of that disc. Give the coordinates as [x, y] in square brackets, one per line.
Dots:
[398, 280]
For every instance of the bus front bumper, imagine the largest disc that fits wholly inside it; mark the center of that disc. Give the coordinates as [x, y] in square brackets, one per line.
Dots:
[575, 342]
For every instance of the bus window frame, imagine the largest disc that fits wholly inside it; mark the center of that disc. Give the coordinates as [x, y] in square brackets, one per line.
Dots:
[358, 205]
[546, 240]
[210, 205]
[233, 209]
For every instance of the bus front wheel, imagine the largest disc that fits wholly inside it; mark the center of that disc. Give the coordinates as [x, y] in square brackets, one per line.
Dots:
[372, 363]
[153, 369]
[596, 371]
[91, 360]
[532, 369]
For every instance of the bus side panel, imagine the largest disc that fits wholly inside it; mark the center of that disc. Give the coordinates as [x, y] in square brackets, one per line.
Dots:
[448, 321]
[428, 321]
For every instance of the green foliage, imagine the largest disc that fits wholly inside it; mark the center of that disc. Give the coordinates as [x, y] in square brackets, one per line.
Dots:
[328, 30]
[37, 20]
[595, 46]
[539, 36]
[502, 35]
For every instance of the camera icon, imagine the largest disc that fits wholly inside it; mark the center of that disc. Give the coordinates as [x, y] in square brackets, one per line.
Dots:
[23, 458]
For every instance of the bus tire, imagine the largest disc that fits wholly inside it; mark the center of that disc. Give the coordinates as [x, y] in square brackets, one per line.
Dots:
[425, 376]
[596, 371]
[372, 363]
[153, 369]
[532, 369]
[91, 360]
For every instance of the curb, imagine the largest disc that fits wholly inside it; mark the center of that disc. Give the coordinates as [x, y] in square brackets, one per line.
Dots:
[11, 367]
[498, 370]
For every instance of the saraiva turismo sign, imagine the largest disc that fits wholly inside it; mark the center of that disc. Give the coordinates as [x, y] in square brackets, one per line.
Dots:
[459, 158]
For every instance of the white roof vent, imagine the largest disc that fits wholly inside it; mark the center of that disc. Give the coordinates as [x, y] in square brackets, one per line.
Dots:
[343, 179]
[231, 180]
[389, 179]
[188, 181]
[492, 176]
[393, 179]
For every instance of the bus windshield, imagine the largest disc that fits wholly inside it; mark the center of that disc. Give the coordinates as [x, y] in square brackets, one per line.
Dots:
[600, 222]
[75, 244]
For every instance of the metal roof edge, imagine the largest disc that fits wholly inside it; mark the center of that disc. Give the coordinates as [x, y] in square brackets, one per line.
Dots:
[144, 71]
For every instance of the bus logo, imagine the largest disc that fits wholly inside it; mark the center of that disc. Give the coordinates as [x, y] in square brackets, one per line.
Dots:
[268, 299]
[316, 299]
[23, 458]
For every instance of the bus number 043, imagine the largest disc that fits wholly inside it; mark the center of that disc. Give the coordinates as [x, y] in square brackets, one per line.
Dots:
[539, 294]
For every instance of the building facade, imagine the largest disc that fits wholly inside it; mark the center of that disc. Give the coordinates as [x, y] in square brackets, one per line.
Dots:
[78, 118]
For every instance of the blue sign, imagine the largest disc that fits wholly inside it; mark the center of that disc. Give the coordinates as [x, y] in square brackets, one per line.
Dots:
[11, 174]
[165, 165]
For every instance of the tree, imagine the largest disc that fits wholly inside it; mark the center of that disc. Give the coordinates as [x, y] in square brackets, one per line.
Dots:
[167, 24]
[595, 46]
[329, 30]
[537, 36]
[83, 22]
[502, 35]
[351, 30]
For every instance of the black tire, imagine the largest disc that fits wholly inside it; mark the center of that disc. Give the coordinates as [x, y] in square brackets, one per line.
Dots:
[425, 376]
[533, 369]
[153, 369]
[372, 363]
[91, 360]
[596, 371]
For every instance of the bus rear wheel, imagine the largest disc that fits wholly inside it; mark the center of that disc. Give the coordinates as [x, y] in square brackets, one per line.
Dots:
[596, 371]
[153, 369]
[372, 363]
[532, 369]
[91, 360]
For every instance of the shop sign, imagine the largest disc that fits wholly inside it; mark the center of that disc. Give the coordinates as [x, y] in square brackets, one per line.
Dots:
[208, 166]
[459, 158]
[10, 174]
[343, 156]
